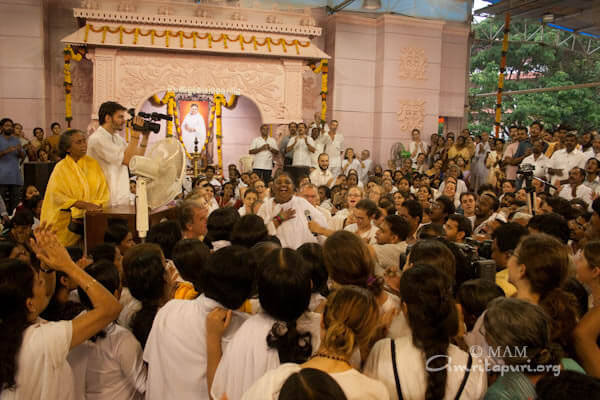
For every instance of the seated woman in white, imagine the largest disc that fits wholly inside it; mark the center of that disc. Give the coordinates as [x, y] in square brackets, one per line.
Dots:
[250, 197]
[365, 214]
[448, 372]
[34, 357]
[115, 368]
[348, 324]
[350, 161]
[282, 332]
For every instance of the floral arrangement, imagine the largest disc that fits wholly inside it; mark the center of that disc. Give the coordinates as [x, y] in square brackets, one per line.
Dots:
[323, 69]
[69, 55]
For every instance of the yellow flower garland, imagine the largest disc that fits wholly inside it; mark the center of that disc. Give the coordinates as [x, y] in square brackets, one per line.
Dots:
[323, 69]
[153, 33]
[69, 55]
[169, 100]
[221, 102]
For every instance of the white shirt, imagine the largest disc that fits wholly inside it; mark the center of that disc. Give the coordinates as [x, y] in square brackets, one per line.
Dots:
[333, 148]
[412, 375]
[131, 305]
[264, 158]
[363, 173]
[43, 371]
[115, 369]
[315, 155]
[325, 127]
[412, 146]
[355, 165]
[193, 127]
[388, 255]
[567, 161]
[594, 185]
[109, 150]
[319, 177]
[583, 192]
[248, 356]
[355, 385]
[176, 349]
[292, 233]
[461, 187]
[541, 164]
[369, 235]
[302, 156]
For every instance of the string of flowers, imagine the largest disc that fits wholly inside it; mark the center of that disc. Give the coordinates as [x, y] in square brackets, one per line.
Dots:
[322, 68]
[211, 116]
[69, 55]
[166, 34]
[220, 102]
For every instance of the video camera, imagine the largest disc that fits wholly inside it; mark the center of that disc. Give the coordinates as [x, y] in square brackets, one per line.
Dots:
[526, 169]
[149, 126]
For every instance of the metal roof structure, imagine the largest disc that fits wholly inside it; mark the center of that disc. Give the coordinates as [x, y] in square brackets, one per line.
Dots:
[579, 17]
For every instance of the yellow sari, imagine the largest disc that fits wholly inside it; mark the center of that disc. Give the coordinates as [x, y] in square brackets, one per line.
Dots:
[71, 182]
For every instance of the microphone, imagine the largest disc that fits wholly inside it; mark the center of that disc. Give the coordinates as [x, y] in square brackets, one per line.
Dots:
[309, 219]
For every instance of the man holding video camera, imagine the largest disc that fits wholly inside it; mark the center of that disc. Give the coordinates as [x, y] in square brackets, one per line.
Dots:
[112, 152]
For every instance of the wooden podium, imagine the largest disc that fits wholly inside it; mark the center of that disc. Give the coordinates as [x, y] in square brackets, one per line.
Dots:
[96, 222]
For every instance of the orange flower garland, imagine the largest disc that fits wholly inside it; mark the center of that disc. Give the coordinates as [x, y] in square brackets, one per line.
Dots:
[322, 68]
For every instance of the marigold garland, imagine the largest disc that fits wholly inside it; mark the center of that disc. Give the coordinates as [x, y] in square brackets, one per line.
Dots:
[169, 100]
[322, 68]
[226, 39]
[220, 102]
[69, 55]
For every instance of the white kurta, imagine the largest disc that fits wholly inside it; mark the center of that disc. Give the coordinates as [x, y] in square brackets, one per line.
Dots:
[109, 150]
[355, 385]
[193, 127]
[333, 148]
[248, 356]
[294, 232]
[176, 349]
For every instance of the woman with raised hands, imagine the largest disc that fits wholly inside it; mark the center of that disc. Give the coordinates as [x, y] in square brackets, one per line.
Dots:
[349, 322]
[34, 352]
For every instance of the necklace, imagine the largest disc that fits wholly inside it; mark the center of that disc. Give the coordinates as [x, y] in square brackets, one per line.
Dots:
[323, 355]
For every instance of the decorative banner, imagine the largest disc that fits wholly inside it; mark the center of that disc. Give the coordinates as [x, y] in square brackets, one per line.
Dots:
[69, 55]
[322, 68]
[501, 75]
[195, 36]
[194, 123]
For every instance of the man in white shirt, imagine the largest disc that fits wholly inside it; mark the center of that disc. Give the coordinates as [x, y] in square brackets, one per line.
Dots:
[576, 189]
[365, 166]
[112, 152]
[193, 216]
[263, 148]
[310, 193]
[468, 203]
[176, 350]
[333, 144]
[193, 127]
[315, 134]
[391, 242]
[538, 159]
[302, 146]
[318, 123]
[322, 175]
[564, 160]
[592, 180]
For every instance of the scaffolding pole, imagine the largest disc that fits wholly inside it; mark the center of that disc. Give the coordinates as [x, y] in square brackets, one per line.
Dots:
[541, 90]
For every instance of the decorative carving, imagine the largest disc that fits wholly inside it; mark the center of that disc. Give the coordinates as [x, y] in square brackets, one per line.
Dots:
[273, 19]
[261, 80]
[90, 4]
[82, 82]
[165, 10]
[413, 64]
[203, 13]
[126, 6]
[311, 87]
[238, 16]
[411, 114]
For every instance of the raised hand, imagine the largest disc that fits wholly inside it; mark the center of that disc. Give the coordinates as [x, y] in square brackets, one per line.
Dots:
[48, 249]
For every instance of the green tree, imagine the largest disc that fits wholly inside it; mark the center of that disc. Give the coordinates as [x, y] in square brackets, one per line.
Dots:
[531, 65]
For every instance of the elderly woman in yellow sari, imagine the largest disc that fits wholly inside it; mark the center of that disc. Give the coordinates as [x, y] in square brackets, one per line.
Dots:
[76, 185]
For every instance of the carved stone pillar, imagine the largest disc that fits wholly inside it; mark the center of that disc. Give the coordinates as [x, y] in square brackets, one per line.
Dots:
[104, 60]
[293, 88]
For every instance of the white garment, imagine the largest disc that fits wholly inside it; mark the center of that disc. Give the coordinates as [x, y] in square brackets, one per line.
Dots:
[541, 164]
[242, 211]
[363, 173]
[412, 146]
[318, 151]
[337, 221]
[176, 349]
[292, 233]
[248, 356]
[319, 177]
[43, 371]
[192, 127]
[412, 374]
[325, 127]
[109, 150]
[131, 305]
[263, 159]
[334, 149]
[461, 187]
[583, 192]
[115, 369]
[388, 255]
[355, 385]
[302, 156]
[567, 161]
[594, 185]
[315, 301]
[369, 235]
[355, 165]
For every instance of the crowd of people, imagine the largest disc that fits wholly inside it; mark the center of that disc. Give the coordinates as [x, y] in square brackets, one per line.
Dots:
[468, 269]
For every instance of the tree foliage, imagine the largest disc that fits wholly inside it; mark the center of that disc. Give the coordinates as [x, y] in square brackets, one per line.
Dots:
[532, 65]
